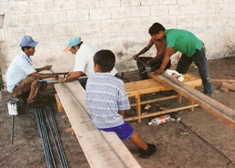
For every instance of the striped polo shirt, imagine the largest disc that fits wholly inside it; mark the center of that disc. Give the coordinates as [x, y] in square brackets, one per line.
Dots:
[105, 96]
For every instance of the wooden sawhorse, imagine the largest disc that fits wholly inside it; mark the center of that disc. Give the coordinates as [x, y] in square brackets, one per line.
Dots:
[138, 88]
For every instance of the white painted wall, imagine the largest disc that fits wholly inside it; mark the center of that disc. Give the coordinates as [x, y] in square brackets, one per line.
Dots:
[119, 25]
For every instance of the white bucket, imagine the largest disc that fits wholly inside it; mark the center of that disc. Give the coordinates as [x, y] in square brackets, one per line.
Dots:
[13, 105]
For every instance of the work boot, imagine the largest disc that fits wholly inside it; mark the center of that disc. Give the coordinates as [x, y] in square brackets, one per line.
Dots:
[33, 92]
[145, 154]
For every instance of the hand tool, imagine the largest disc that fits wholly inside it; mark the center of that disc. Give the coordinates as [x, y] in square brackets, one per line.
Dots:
[147, 68]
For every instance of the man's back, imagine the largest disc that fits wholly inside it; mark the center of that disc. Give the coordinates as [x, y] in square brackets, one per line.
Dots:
[106, 95]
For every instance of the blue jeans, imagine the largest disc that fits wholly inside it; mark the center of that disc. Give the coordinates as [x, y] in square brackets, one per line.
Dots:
[199, 58]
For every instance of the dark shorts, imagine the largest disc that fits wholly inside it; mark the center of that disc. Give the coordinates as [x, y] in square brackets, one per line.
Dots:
[124, 131]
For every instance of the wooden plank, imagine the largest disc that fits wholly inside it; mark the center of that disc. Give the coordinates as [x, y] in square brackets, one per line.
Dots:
[221, 111]
[157, 113]
[59, 105]
[227, 85]
[220, 81]
[99, 151]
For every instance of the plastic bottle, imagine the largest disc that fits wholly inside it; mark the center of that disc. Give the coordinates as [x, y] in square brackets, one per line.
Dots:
[160, 120]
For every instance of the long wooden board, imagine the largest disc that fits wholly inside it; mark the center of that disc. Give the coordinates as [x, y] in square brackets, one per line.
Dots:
[220, 81]
[221, 111]
[102, 149]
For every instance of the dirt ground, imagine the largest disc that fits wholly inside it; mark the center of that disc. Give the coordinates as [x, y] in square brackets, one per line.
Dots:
[198, 140]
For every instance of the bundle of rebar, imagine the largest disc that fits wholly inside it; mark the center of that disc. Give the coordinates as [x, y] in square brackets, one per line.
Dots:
[50, 137]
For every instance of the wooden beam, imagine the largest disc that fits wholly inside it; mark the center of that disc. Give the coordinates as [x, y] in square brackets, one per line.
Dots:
[221, 111]
[220, 81]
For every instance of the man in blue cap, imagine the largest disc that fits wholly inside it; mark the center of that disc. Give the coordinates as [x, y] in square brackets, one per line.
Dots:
[22, 77]
[83, 60]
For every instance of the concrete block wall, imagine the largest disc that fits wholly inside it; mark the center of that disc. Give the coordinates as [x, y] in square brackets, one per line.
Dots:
[119, 25]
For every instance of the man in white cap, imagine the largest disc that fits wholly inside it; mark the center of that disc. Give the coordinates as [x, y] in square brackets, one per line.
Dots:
[22, 77]
[83, 60]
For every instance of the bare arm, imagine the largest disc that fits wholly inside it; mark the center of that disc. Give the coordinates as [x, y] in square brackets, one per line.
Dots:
[47, 67]
[169, 51]
[43, 76]
[121, 112]
[144, 50]
[73, 76]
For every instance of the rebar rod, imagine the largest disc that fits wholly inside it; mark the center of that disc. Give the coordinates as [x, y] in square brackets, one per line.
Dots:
[64, 160]
[12, 129]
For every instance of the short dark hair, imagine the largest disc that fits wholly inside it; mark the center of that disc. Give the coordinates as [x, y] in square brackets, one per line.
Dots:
[156, 28]
[26, 47]
[78, 44]
[105, 59]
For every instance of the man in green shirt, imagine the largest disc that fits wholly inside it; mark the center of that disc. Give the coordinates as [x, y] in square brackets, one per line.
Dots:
[189, 45]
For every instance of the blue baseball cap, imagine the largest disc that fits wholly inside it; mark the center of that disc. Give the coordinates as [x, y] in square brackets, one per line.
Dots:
[28, 41]
[72, 41]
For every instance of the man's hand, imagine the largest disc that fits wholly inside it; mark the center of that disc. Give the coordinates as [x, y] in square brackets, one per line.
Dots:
[159, 72]
[135, 56]
[56, 76]
[47, 67]
[61, 80]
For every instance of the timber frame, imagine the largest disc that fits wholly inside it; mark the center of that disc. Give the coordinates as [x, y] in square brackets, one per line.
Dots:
[137, 89]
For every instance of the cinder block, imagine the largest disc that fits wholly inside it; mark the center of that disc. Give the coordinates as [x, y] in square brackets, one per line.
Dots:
[110, 3]
[1, 8]
[54, 17]
[10, 20]
[223, 8]
[168, 2]
[130, 24]
[42, 30]
[16, 7]
[18, 32]
[65, 4]
[185, 20]
[177, 9]
[159, 10]
[88, 4]
[29, 20]
[2, 35]
[202, 1]
[120, 12]
[149, 2]
[100, 13]
[199, 20]
[68, 29]
[130, 3]
[196, 9]
[140, 11]
[77, 15]
[90, 27]
[41, 6]
[107, 26]
[185, 2]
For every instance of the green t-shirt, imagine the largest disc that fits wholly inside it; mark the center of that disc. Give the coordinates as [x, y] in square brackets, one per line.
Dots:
[183, 41]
